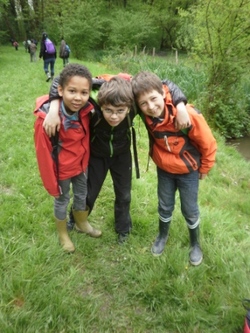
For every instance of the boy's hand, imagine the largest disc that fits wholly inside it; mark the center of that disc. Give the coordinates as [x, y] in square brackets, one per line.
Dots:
[51, 124]
[52, 120]
[202, 176]
[182, 119]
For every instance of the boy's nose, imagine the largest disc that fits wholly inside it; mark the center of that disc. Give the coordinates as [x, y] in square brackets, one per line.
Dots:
[150, 105]
[78, 96]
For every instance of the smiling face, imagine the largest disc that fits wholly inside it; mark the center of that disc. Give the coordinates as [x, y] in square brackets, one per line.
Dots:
[75, 93]
[152, 103]
[114, 115]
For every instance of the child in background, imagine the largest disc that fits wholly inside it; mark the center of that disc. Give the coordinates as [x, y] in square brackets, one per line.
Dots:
[110, 143]
[181, 159]
[64, 52]
[70, 163]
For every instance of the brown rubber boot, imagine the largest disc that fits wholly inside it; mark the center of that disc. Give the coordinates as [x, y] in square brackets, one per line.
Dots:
[65, 241]
[82, 225]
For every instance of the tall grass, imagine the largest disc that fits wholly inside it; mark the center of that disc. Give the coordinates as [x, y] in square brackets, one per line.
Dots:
[104, 287]
[190, 78]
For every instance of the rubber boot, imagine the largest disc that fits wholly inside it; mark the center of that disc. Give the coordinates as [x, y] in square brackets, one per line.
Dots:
[48, 77]
[64, 239]
[82, 225]
[195, 254]
[161, 239]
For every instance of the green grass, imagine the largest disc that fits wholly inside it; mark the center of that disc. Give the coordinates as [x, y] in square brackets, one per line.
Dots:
[104, 287]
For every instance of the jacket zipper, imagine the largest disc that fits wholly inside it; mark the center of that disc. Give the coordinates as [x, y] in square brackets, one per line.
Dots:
[111, 143]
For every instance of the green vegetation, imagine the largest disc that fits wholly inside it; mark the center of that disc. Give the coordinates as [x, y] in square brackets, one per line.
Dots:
[216, 36]
[103, 287]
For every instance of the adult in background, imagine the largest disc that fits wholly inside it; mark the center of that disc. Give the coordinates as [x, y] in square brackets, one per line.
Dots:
[15, 44]
[64, 52]
[48, 53]
[32, 51]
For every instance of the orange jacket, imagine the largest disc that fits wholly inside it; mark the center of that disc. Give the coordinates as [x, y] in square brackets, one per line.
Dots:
[176, 152]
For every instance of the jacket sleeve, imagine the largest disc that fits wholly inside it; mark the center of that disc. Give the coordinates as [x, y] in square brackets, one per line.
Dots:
[202, 138]
[45, 162]
[176, 93]
[53, 93]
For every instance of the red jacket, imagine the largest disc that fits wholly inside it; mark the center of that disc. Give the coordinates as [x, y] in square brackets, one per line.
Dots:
[73, 152]
[179, 153]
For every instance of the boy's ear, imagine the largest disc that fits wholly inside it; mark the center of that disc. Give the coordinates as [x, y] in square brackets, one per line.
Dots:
[60, 90]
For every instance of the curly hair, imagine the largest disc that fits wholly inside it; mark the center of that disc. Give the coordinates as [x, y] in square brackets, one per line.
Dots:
[74, 70]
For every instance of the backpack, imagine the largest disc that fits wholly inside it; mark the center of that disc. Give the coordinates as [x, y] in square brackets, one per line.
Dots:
[50, 48]
[66, 51]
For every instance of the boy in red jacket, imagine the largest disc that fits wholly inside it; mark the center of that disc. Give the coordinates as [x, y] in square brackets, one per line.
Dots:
[181, 159]
[71, 158]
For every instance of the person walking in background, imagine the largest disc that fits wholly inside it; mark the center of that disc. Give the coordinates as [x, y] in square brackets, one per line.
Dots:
[32, 51]
[64, 52]
[15, 44]
[48, 53]
[181, 158]
[26, 46]
[69, 163]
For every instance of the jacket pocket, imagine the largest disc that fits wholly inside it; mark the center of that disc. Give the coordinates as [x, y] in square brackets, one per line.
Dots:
[190, 161]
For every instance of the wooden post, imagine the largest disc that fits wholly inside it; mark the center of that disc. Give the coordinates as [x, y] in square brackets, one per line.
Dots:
[176, 54]
[153, 51]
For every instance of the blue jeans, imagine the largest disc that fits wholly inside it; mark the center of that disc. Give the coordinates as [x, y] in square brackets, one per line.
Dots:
[188, 185]
[49, 62]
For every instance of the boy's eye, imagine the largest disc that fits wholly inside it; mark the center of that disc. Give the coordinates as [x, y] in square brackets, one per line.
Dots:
[121, 111]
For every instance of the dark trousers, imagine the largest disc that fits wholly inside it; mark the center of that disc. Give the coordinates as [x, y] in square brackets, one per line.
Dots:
[120, 168]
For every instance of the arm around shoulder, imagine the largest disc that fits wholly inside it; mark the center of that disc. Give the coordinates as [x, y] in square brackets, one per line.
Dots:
[52, 121]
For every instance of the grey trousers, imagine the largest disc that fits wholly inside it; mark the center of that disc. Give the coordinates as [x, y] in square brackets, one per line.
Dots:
[79, 188]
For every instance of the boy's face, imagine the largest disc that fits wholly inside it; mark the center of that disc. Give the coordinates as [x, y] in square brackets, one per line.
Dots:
[152, 103]
[114, 115]
[75, 93]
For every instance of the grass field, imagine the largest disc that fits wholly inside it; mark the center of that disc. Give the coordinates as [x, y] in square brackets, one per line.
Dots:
[104, 287]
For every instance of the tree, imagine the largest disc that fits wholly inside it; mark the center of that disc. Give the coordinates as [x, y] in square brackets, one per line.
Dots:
[221, 42]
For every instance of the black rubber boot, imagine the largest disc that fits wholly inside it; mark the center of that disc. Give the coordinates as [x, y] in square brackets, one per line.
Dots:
[71, 221]
[161, 239]
[195, 254]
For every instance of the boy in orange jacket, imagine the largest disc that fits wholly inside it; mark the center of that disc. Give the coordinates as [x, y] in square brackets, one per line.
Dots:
[181, 159]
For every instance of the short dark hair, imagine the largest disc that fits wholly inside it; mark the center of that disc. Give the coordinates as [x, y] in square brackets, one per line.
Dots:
[117, 91]
[74, 70]
[145, 82]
